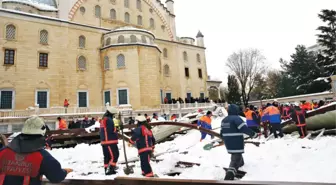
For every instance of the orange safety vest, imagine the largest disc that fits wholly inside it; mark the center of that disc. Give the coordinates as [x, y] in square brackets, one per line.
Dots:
[62, 125]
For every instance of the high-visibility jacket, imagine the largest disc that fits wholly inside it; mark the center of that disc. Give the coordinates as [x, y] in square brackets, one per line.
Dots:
[143, 138]
[62, 125]
[108, 132]
[251, 118]
[272, 114]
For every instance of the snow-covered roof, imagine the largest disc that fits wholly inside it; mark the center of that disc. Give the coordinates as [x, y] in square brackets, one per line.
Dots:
[48, 5]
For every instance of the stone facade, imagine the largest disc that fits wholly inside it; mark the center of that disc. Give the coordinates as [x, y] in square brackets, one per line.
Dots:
[83, 62]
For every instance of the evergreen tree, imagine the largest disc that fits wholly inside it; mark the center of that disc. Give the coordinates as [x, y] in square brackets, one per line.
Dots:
[233, 95]
[327, 39]
[302, 70]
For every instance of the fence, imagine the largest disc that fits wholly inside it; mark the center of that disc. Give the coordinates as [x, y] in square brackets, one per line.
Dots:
[126, 110]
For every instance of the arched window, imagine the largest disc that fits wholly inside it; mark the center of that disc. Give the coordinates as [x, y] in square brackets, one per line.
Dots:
[44, 37]
[108, 42]
[126, 3]
[139, 20]
[113, 14]
[198, 56]
[81, 63]
[138, 4]
[81, 41]
[121, 39]
[133, 39]
[165, 53]
[127, 17]
[97, 11]
[106, 63]
[166, 70]
[10, 32]
[185, 56]
[151, 23]
[143, 39]
[120, 61]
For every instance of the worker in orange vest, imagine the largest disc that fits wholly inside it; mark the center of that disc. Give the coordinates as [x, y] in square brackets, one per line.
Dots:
[62, 125]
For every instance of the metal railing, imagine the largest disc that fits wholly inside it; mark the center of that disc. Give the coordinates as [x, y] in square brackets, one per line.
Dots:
[125, 109]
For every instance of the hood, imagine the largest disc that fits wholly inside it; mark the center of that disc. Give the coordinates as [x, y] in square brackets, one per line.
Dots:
[233, 109]
[27, 143]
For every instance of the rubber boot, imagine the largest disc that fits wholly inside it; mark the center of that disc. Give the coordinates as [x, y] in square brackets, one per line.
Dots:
[111, 170]
[229, 175]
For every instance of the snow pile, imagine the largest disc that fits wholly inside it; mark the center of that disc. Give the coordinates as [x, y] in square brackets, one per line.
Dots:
[35, 3]
[286, 159]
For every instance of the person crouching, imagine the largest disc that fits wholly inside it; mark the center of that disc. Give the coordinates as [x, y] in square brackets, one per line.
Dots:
[24, 161]
[145, 141]
[232, 132]
[109, 141]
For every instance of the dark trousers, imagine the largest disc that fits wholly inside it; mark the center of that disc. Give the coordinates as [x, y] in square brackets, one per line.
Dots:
[302, 131]
[237, 161]
[255, 129]
[145, 165]
[111, 154]
[265, 127]
[276, 127]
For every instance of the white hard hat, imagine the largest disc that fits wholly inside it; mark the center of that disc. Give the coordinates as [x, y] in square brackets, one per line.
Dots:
[140, 118]
[34, 126]
[112, 110]
[275, 100]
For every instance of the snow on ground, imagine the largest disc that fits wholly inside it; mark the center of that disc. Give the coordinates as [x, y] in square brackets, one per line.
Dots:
[287, 159]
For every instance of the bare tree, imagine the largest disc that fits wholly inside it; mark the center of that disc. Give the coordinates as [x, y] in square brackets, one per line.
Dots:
[246, 65]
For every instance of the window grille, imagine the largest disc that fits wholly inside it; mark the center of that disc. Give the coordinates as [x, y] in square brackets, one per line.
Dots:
[120, 61]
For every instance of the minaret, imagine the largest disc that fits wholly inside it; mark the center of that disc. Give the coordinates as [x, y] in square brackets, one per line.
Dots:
[171, 16]
[170, 6]
[200, 39]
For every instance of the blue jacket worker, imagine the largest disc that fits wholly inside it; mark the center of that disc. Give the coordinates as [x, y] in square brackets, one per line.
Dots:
[205, 122]
[145, 141]
[109, 141]
[24, 161]
[233, 129]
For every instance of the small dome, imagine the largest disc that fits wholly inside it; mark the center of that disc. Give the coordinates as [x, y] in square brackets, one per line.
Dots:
[40, 4]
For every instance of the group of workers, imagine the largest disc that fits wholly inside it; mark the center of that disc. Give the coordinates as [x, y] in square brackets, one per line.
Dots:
[25, 161]
[271, 116]
[142, 138]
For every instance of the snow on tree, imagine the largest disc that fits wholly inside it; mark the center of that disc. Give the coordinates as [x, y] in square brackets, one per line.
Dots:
[326, 59]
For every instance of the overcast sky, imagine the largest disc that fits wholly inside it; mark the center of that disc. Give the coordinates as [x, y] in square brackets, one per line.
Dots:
[275, 27]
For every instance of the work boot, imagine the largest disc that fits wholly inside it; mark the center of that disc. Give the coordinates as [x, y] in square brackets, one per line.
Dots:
[111, 170]
[229, 175]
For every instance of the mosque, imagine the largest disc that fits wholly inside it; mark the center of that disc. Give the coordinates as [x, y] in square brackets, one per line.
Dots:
[93, 52]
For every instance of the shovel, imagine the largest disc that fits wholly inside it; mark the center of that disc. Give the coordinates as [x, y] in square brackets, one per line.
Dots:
[128, 170]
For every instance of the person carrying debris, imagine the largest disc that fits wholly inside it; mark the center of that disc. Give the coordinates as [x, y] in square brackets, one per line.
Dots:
[109, 141]
[272, 115]
[24, 161]
[299, 117]
[232, 132]
[145, 142]
[205, 122]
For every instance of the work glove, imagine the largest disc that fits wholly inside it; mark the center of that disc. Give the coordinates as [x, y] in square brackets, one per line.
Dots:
[198, 127]
[68, 170]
